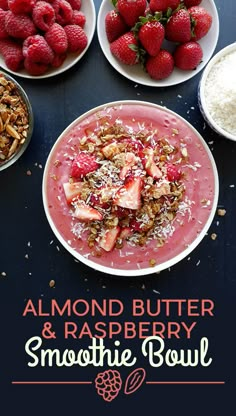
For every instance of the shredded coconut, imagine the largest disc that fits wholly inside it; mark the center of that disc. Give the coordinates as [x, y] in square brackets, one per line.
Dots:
[220, 92]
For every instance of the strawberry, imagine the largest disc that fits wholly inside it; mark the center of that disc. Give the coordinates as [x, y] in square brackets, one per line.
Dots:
[136, 225]
[178, 27]
[173, 173]
[115, 26]
[125, 49]
[83, 164]
[96, 200]
[202, 21]
[163, 5]
[109, 238]
[150, 165]
[191, 3]
[129, 195]
[188, 55]
[130, 161]
[86, 213]
[151, 36]
[130, 10]
[72, 190]
[160, 66]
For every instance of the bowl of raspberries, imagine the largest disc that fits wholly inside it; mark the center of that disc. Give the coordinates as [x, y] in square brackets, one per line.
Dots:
[42, 38]
[158, 42]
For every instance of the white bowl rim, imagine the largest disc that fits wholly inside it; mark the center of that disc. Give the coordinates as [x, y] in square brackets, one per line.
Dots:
[223, 52]
[167, 82]
[158, 267]
[62, 68]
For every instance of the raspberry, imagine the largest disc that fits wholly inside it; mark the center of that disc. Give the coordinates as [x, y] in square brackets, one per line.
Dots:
[21, 6]
[63, 11]
[57, 39]
[58, 60]
[78, 18]
[108, 384]
[75, 4]
[3, 33]
[36, 49]
[4, 4]
[19, 25]
[34, 68]
[12, 54]
[77, 39]
[43, 15]
[173, 173]
[83, 163]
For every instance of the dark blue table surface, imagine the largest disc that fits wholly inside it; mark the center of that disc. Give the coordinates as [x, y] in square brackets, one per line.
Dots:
[31, 256]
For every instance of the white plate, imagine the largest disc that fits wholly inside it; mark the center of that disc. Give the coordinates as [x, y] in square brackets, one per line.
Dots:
[135, 73]
[88, 9]
[59, 216]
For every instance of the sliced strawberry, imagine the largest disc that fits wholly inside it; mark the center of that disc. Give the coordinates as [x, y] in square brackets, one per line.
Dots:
[86, 213]
[129, 195]
[150, 165]
[136, 225]
[110, 150]
[109, 238]
[96, 200]
[72, 190]
[130, 160]
[125, 233]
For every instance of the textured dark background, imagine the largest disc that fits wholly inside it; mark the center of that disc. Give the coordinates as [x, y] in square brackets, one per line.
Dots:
[30, 259]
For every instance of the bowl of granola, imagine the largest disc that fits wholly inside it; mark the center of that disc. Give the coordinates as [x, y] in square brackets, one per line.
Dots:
[130, 188]
[16, 121]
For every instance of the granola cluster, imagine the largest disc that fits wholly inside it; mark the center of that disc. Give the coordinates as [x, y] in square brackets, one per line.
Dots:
[134, 193]
[14, 119]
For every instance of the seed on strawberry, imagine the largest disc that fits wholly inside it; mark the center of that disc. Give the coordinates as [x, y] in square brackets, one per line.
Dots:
[202, 21]
[178, 27]
[160, 66]
[125, 49]
[151, 36]
[115, 26]
[163, 5]
[173, 173]
[131, 10]
[188, 55]
[83, 164]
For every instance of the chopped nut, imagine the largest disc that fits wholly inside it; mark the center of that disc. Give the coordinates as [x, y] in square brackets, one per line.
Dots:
[221, 212]
[152, 262]
[52, 283]
[14, 119]
[213, 236]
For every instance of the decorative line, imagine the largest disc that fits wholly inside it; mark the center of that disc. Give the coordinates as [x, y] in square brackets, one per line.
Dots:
[185, 382]
[51, 382]
[90, 382]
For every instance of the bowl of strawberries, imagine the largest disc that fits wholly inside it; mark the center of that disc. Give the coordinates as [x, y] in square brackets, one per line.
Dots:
[130, 188]
[160, 42]
[40, 39]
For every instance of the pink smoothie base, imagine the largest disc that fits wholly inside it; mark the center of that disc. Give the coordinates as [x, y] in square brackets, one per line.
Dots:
[201, 185]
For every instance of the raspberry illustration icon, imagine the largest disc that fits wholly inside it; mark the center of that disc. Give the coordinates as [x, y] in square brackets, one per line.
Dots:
[108, 384]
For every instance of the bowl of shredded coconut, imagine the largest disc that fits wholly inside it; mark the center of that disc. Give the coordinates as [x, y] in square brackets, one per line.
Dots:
[217, 92]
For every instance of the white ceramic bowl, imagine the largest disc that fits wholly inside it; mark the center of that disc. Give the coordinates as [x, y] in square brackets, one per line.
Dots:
[88, 9]
[135, 73]
[202, 179]
[203, 105]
